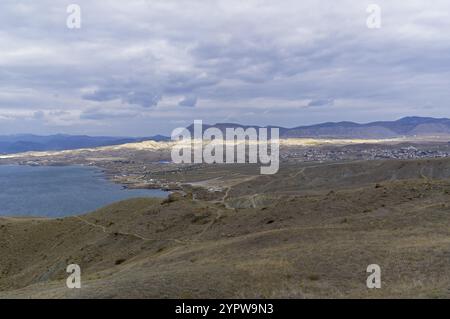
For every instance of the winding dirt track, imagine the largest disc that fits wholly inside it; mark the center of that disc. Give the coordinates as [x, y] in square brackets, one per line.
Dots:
[104, 229]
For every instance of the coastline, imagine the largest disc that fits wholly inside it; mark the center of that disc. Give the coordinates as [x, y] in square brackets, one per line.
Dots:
[77, 190]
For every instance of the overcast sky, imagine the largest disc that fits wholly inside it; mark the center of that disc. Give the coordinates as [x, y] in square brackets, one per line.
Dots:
[141, 67]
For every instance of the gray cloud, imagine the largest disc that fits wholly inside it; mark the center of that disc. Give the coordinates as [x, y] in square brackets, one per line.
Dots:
[102, 114]
[321, 102]
[143, 98]
[138, 60]
[38, 115]
[190, 101]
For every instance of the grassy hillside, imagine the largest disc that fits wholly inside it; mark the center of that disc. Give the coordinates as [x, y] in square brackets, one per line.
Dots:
[282, 245]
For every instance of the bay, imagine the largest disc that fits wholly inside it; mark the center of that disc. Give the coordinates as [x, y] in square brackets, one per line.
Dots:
[56, 191]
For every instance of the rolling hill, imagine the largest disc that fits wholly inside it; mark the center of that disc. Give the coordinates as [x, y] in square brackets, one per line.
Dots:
[266, 238]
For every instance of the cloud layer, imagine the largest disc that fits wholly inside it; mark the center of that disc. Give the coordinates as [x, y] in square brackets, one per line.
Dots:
[143, 67]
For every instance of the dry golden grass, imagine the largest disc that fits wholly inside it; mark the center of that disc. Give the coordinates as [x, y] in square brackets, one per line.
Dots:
[290, 242]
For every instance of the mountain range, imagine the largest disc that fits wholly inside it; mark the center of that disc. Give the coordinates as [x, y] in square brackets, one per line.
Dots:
[405, 127]
[27, 142]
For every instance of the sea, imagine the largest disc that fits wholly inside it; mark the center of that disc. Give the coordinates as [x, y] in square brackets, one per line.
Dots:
[57, 191]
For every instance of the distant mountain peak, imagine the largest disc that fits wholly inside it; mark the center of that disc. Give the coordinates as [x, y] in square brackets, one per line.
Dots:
[406, 126]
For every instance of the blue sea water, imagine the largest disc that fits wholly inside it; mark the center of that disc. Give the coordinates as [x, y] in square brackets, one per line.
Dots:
[55, 191]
